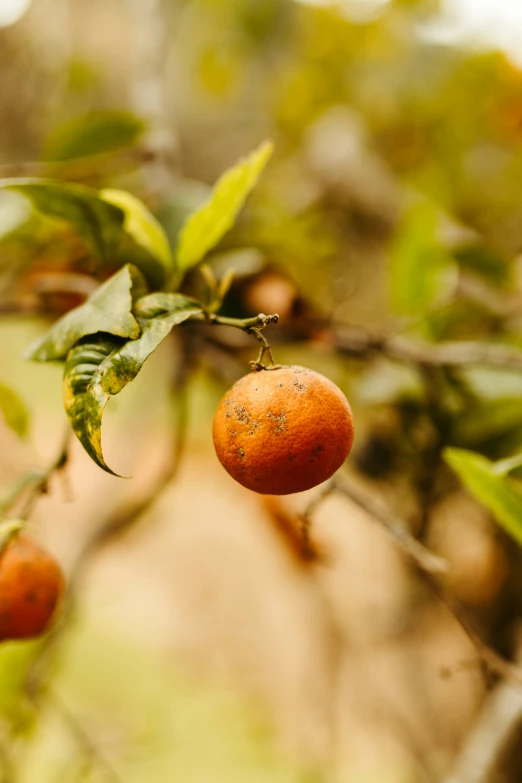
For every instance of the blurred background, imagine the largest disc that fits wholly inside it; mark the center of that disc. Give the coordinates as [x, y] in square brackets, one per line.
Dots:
[203, 642]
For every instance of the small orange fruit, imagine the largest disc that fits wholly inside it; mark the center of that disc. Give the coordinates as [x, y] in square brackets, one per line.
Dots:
[31, 584]
[283, 430]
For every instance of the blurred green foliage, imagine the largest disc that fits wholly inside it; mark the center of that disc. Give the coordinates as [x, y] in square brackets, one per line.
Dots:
[14, 410]
[391, 202]
[93, 134]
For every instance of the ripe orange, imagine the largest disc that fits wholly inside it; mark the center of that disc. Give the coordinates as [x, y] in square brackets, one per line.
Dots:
[31, 583]
[282, 431]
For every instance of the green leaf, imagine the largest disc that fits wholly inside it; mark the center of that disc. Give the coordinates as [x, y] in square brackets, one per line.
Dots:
[96, 371]
[108, 309]
[421, 269]
[144, 229]
[498, 493]
[161, 303]
[486, 262]
[98, 222]
[115, 225]
[93, 134]
[81, 365]
[124, 364]
[14, 410]
[209, 223]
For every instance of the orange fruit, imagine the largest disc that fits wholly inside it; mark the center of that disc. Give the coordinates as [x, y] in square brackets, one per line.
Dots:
[31, 584]
[283, 430]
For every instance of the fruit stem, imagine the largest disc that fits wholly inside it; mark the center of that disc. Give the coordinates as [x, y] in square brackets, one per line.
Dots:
[253, 326]
[265, 348]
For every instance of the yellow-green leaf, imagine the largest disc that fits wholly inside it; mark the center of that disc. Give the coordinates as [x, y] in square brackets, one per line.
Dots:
[82, 362]
[144, 229]
[14, 410]
[204, 229]
[98, 222]
[485, 481]
[116, 226]
[97, 370]
[421, 270]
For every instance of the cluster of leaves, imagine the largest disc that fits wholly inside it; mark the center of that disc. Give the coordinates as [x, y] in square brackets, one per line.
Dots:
[104, 342]
[473, 418]
[452, 114]
[478, 411]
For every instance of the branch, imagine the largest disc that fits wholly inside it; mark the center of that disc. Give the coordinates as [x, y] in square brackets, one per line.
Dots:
[83, 739]
[493, 742]
[117, 523]
[416, 552]
[494, 662]
[35, 483]
[124, 518]
[245, 324]
[356, 342]
[427, 565]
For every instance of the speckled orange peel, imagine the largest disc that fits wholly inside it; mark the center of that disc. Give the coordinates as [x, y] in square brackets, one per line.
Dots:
[283, 430]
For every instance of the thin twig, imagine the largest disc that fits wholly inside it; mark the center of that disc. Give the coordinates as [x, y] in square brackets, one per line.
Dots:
[427, 565]
[84, 741]
[40, 486]
[308, 549]
[34, 483]
[245, 324]
[18, 489]
[495, 662]
[117, 523]
[493, 743]
[416, 552]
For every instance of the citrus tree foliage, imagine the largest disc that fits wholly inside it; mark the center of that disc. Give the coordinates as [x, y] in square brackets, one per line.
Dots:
[387, 223]
[420, 120]
[104, 342]
[94, 133]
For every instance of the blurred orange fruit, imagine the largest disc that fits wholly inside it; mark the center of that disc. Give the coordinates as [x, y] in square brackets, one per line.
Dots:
[283, 430]
[31, 584]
